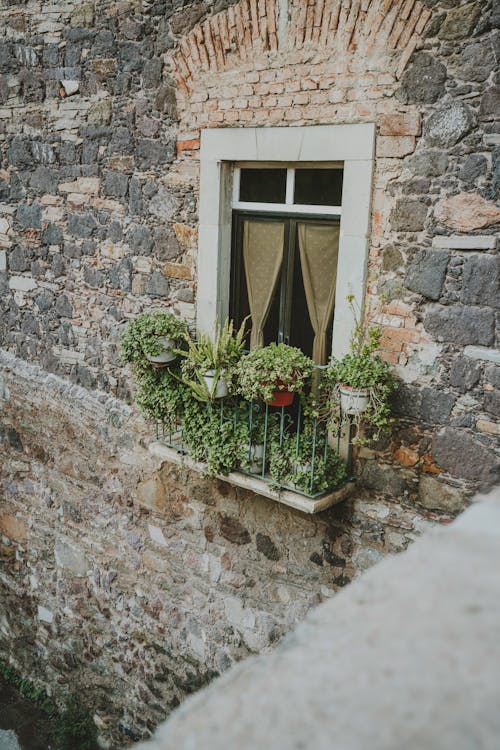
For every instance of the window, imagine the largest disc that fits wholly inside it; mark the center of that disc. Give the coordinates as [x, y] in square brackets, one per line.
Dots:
[285, 241]
[318, 176]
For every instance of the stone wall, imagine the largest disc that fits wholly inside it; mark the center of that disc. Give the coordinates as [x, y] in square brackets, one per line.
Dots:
[101, 107]
[134, 581]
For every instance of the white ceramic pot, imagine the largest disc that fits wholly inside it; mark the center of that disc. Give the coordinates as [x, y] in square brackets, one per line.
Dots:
[220, 388]
[166, 355]
[256, 455]
[354, 401]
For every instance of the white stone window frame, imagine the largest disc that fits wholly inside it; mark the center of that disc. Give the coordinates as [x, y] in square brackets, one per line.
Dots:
[222, 148]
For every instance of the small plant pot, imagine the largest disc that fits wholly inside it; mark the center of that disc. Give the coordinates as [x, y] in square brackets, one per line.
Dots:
[221, 389]
[166, 355]
[256, 455]
[282, 398]
[354, 401]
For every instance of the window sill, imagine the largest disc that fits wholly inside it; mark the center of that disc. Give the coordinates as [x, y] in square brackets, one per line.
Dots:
[258, 486]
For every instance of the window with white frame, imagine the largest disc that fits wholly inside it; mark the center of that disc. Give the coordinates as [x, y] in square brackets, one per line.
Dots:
[283, 232]
[285, 242]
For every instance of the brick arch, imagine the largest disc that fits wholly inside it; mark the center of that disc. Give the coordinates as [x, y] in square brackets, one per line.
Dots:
[361, 32]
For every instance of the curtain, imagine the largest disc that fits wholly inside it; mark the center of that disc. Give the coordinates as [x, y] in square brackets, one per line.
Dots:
[319, 249]
[263, 245]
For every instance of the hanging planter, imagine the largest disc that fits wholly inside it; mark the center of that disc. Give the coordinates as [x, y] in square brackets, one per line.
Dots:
[154, 338]
[354, 401]
[166, 354]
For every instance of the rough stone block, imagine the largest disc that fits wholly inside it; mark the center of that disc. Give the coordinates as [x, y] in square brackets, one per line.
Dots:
[157, 285]
[29, 216]
[69, 556]
[461, 325]
[460, 22]
[151, 494]
[424, 80]
[481, 280]
[13, 527]
[436, 495]
[409, 215]
[427, 272]
[464, 374]
[460, 454]
[466, 212]
[383, 479]
[448, 125]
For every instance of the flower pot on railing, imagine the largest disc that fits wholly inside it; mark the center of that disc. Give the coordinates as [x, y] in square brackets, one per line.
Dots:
[282, 398]
[256, 458]
[217, 390]
[354, 401]
[166, 354]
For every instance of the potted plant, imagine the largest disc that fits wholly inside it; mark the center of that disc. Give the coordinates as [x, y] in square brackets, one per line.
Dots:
[211, 362]
[305, 462]
[261, 432]
[361, 383]
[274, 374]
[153, 337]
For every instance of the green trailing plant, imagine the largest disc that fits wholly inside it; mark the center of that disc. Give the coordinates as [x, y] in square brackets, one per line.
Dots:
[161, 394]
[217, 357]
[277, 367]
[74, 728]
[361, 368]
[141, 337]
[216, 434]
[303, 463]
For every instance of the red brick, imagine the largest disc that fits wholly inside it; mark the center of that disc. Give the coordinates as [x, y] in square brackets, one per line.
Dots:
[408, 123]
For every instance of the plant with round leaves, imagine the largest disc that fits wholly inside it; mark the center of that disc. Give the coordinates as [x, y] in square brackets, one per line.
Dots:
[143, 334]
[277, 367]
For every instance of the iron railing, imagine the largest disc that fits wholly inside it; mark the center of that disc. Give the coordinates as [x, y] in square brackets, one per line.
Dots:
[287, 447]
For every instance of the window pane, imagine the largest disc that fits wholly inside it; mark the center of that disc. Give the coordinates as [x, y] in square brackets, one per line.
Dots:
[318, 187]
[263, 185]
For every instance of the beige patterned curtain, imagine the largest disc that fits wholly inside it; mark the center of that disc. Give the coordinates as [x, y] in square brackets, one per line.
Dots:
[263, 244]
[319, 249]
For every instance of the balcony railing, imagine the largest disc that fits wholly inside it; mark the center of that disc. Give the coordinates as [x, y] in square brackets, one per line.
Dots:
[288, 448]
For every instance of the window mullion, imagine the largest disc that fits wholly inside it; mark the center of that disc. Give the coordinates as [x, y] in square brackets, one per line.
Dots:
[290, 186]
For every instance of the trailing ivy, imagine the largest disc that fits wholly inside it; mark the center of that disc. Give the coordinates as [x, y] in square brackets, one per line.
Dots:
[73, 727]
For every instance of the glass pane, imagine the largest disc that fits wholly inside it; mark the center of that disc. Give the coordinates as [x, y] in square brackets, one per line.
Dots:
[318, 187]
[263, 185]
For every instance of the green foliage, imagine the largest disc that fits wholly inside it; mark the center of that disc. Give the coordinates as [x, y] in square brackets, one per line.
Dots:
[161, 394]
[304, 466]
[361, 368]
[74, 728]
[140, 338]
[216, 434]
[217, 356]
[274, 367]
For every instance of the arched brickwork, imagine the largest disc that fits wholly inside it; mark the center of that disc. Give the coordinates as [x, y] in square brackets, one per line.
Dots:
[349, 32]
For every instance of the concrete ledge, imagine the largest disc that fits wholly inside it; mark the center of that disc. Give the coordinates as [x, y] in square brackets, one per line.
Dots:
[406, 657]
[258, 486]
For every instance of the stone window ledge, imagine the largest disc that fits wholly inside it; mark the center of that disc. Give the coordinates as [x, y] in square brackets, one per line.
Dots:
[258, 486]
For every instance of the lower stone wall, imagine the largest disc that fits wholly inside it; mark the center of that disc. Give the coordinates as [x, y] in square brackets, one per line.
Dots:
[133, 582]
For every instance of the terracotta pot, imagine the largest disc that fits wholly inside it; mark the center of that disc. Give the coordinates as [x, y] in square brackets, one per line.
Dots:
[282, 398]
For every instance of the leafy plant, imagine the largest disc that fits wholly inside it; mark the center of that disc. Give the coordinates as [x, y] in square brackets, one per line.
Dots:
[217, 357]
[361, 368]
[75, 729]
[161, 394]
[216, 435]
[303, 463]
[141, 337]
[277, 367]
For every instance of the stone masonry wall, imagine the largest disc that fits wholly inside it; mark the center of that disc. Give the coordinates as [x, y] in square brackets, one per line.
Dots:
[101, 106]
[133, 582]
